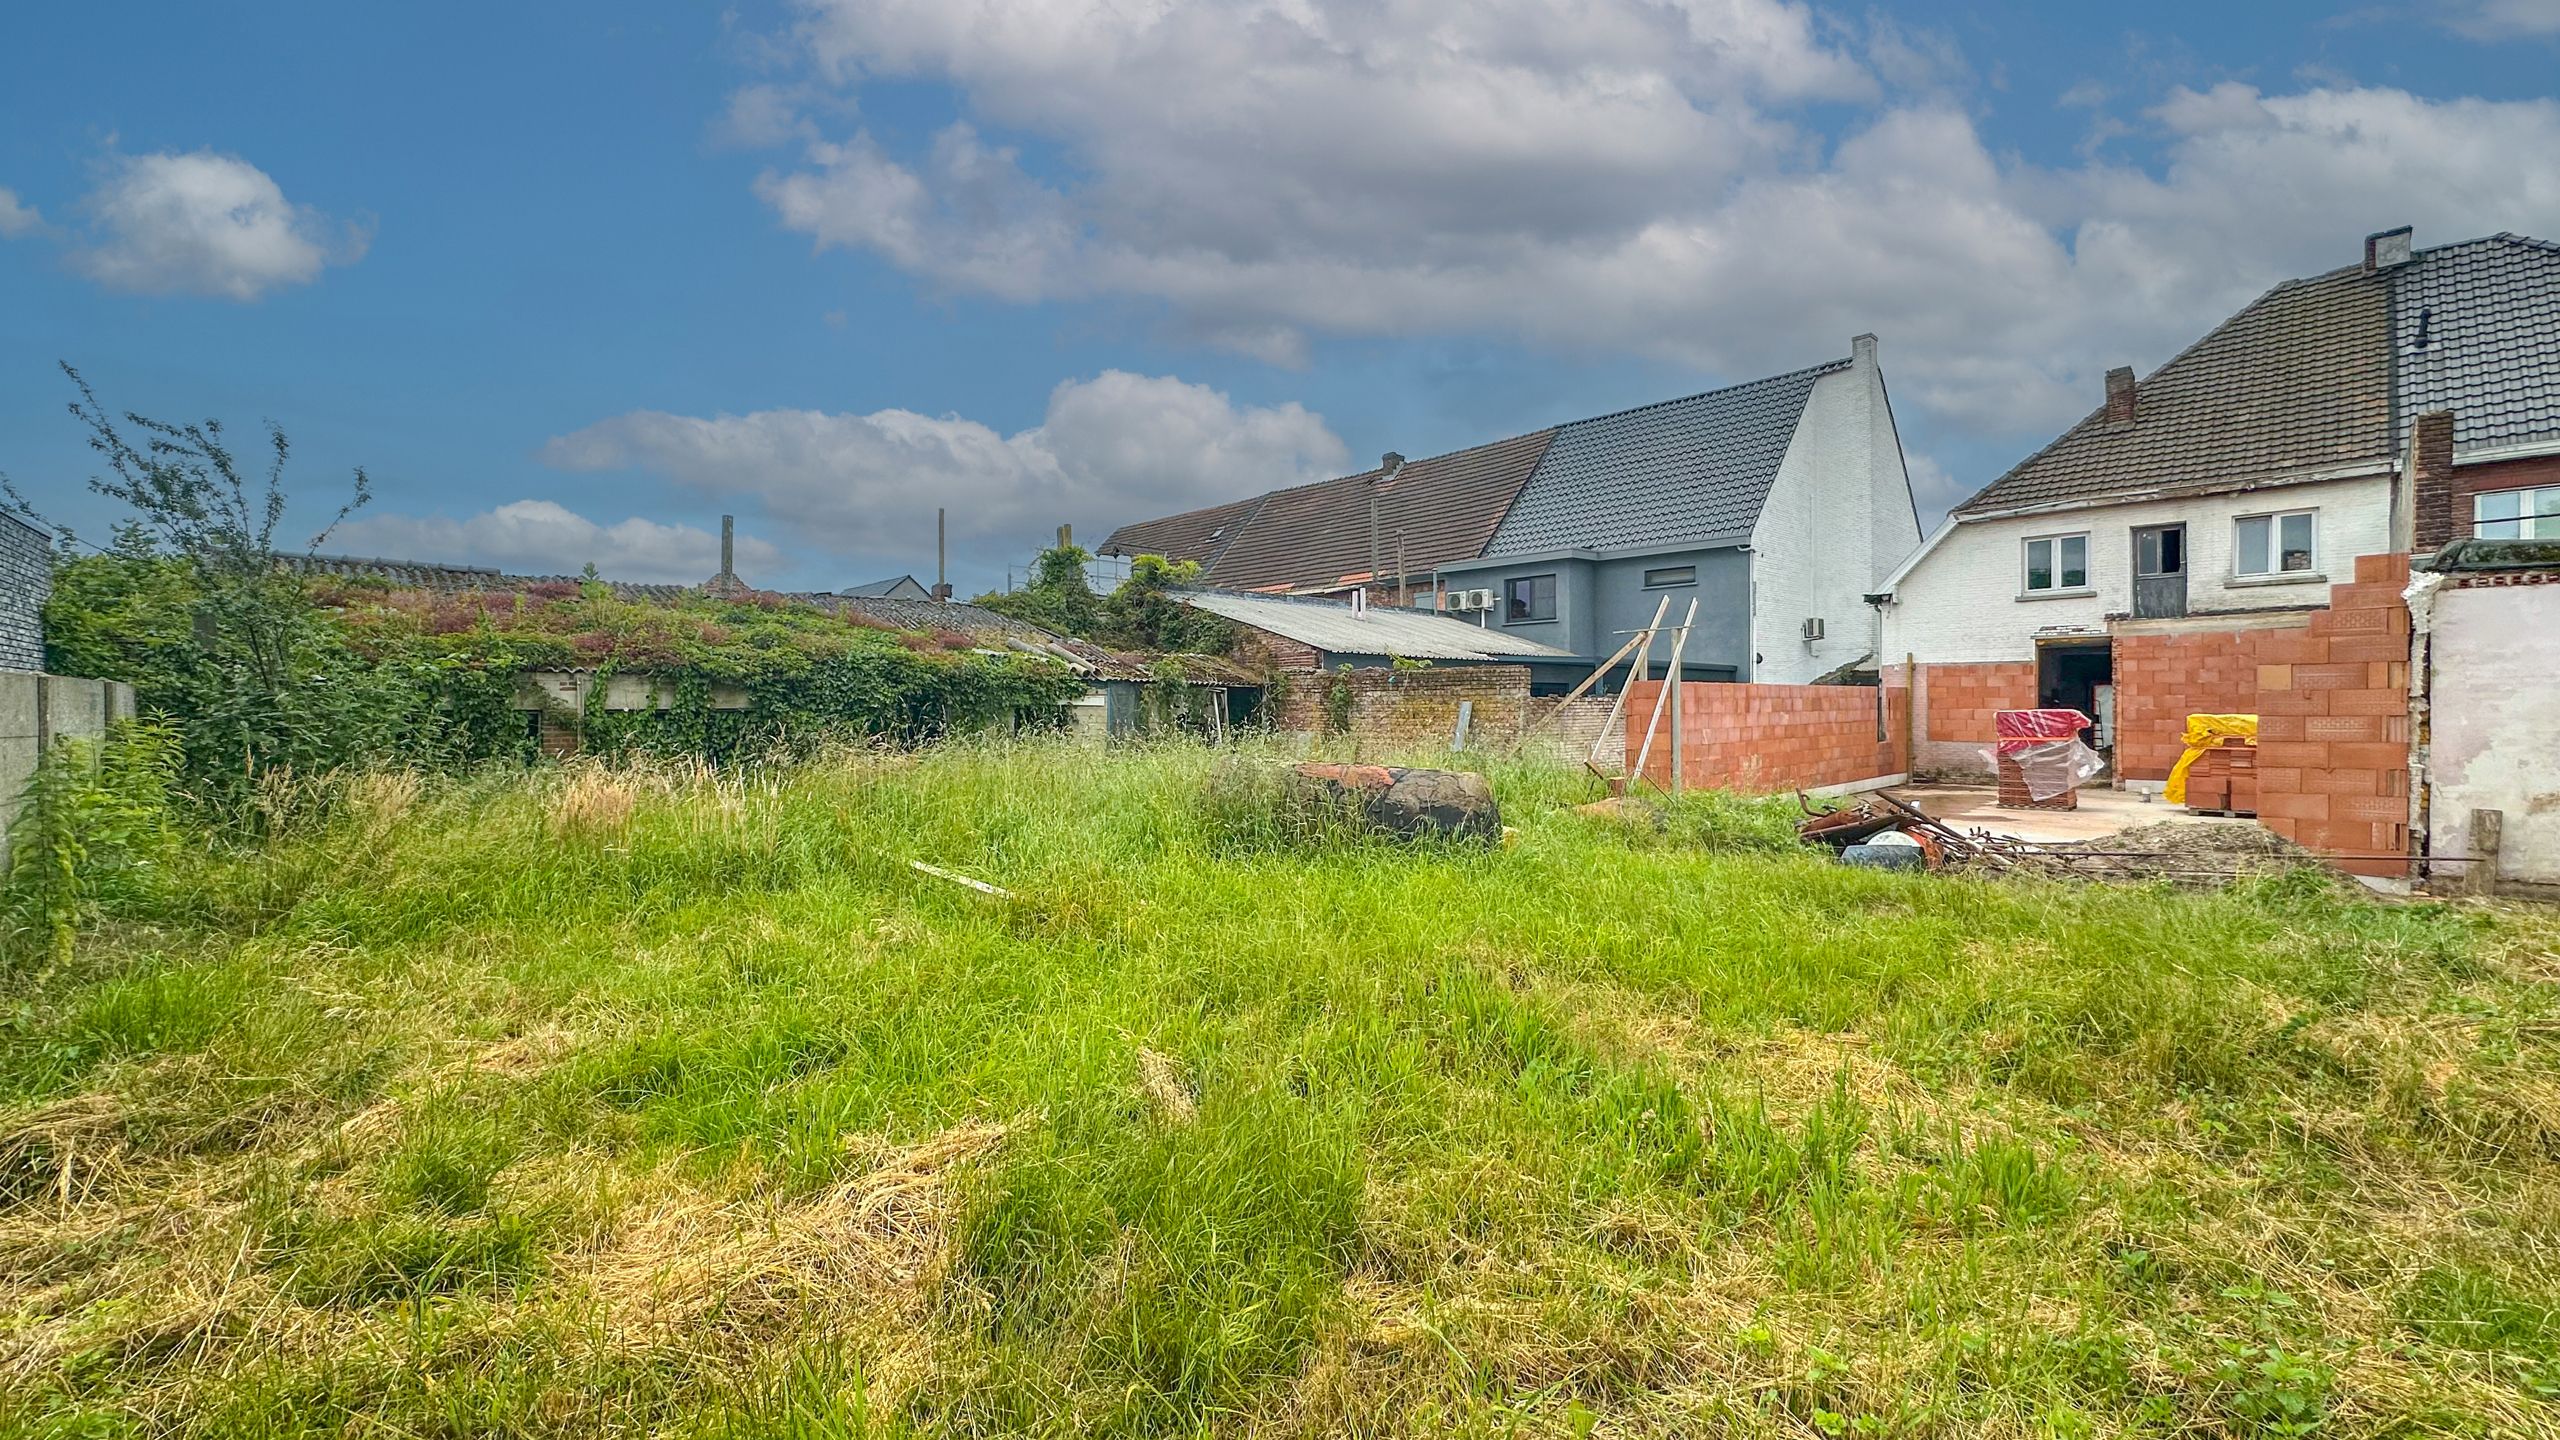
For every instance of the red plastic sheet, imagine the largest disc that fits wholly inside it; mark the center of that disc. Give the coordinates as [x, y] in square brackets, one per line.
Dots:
[2016, 730]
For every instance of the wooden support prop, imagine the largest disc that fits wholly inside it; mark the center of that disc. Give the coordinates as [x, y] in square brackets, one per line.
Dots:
[1642, 647]
[1653, 726]
[1594, 678]
[982, 887]
[1678, 680]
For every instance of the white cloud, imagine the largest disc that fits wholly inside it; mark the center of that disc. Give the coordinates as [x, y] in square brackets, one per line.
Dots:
[2503, 19]
[17, 218]
[205, 224]
[540, 537]
[1113, 448]
[1619, 175]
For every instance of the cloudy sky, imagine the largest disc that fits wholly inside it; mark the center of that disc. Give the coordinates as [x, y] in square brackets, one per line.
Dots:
[572, 280]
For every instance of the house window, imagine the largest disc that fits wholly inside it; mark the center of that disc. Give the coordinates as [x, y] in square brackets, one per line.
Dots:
[2517, 514]
[1670, 575]
[2057, 562]
[1531, 597]
[2272, 544]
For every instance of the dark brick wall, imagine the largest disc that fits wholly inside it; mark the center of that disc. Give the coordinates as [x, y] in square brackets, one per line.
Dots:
[26, 579]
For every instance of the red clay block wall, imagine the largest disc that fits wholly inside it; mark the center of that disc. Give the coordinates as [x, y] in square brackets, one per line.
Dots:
[1767, 738]
[2333, 724]
[2163, 679]
[1957, 701]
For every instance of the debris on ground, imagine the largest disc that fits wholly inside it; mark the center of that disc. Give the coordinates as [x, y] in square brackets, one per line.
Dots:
[2169, 849]
[1879, 831]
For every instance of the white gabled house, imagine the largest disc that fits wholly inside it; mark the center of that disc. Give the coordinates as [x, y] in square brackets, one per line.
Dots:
[2122, 569]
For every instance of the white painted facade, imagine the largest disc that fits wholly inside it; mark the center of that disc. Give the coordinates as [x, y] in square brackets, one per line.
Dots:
[1964, 598]
[1837, 521]
[2494, 717]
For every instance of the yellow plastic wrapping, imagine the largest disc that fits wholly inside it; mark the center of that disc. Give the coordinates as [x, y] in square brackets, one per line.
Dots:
[2203, 733]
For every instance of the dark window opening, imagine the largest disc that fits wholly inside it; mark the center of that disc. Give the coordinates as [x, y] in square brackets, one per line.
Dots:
[1529, 598]
[1670, 575]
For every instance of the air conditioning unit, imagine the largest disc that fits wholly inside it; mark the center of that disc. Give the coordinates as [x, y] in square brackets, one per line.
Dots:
[1470, 599]
[1813, 628]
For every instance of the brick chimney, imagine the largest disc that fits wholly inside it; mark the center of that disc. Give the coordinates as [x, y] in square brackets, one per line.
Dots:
[2120, 393]
[2389, 249]
[2431, 484]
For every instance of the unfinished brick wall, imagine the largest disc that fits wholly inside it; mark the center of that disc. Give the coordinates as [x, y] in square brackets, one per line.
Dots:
[1394, 710]
[2333, 724]
[1959, 700]
[1768, 738]
[2161, 679]
[1953, 708]
[1569, 730]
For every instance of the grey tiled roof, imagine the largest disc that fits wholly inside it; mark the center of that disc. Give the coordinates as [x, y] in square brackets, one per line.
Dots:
[1333, 627]
[2476, 330]
[1693, 470]
[2298, 381]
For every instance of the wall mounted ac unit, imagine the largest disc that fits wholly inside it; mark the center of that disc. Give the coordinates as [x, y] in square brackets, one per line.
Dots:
[1813, 628]
[1470, 599]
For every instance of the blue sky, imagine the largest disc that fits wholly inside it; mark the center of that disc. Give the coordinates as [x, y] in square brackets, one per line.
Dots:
[571, 280]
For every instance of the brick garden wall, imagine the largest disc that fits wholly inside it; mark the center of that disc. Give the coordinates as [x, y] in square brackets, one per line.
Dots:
[1407, 709]
[1768, 738]
[26, 580]
[2333, 723]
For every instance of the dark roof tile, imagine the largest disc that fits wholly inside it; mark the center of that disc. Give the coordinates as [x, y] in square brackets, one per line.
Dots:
[2298, 381]
[1692, 470]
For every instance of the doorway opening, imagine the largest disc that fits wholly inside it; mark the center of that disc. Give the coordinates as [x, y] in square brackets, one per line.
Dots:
[2081, 676]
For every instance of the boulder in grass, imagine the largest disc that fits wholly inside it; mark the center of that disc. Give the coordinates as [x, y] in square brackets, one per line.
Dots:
[1407, 802]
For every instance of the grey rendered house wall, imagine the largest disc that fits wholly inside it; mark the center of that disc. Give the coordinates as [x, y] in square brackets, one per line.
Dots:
[26, 580]
[1602, 601]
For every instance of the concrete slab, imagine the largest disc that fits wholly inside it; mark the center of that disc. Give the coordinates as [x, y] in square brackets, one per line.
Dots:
[21, 695]
[2102, 812]
[74, 709]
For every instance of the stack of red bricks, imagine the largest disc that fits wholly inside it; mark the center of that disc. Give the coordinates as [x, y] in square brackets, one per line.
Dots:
[2333, 724]
[2224, 779]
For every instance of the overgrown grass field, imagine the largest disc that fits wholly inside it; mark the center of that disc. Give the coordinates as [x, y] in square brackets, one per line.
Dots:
[612, 1102]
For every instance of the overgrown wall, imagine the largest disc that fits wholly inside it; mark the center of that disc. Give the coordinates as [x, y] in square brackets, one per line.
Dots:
[1392, 710]
[38, 709]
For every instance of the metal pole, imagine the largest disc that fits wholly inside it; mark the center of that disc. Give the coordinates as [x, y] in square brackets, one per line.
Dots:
[941, 554]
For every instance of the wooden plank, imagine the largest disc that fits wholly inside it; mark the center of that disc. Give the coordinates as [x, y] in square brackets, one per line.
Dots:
[1680, 642]
[1642, 645]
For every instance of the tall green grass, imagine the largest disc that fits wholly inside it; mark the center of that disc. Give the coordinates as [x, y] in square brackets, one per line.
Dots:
[605, 1100]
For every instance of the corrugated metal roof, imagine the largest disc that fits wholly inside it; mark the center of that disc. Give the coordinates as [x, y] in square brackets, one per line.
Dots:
[1332, 626]
[899, 587]
[925, 616]
[2298, 381]
[1690, 470]
[456, 579]
[2476, 330]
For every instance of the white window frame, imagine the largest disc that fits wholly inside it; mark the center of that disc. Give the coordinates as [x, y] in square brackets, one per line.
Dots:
[2026, 567]
[2537, 509]
[2275, 546]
